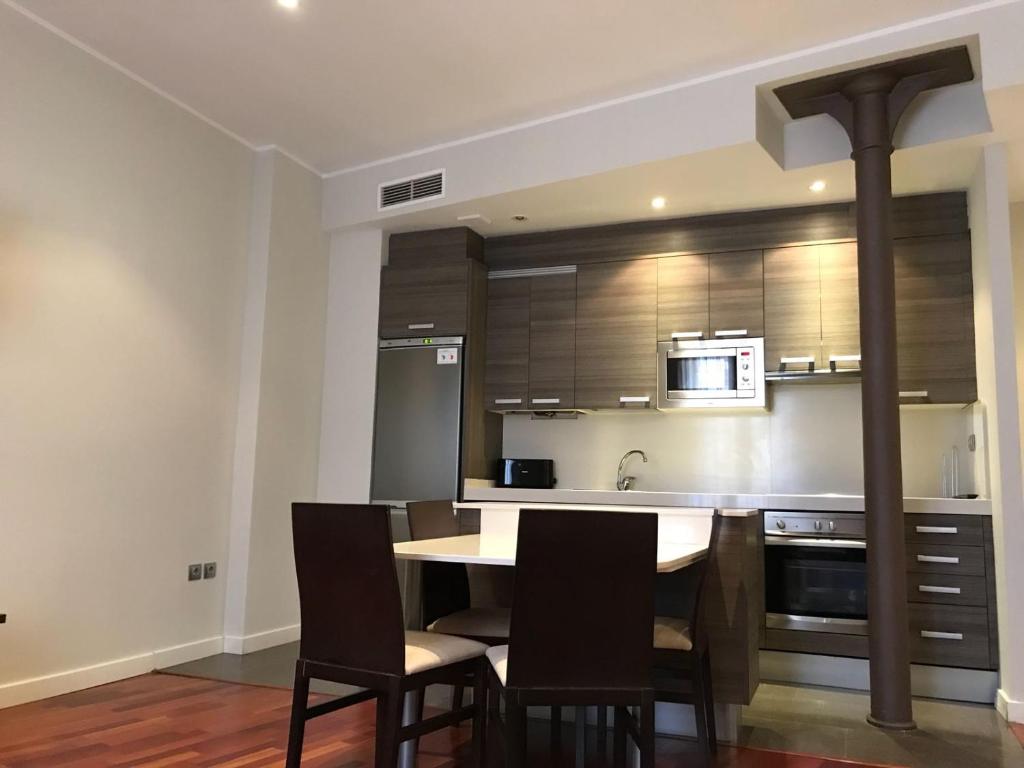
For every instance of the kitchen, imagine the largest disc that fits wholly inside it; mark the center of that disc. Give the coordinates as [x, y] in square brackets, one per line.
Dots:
[618, 368]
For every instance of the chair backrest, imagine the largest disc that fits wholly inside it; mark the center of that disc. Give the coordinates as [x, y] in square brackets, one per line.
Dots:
[583, 605]
[349, 600]
[432, 519]
[444, 586]
[701, 583]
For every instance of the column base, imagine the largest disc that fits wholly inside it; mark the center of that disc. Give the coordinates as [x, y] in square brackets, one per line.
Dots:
[909, 725]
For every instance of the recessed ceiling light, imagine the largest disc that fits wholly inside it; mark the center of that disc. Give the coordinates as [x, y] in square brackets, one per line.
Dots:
[817, 186]
[291, 5]
[519, 217]
[657, 203]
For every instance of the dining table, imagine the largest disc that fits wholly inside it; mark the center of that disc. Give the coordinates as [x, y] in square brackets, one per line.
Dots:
[499, 548]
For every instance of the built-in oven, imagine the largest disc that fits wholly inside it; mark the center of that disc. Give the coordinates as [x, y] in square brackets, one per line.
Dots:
[694, 373]
[815, 572]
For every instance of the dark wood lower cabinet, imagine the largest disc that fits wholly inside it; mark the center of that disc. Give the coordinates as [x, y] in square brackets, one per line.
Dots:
[951, 595]
[949, 635]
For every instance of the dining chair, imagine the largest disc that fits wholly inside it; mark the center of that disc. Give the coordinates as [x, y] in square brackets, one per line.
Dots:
[574, 568]
[682, 656]
[457, 600]
[353, 632]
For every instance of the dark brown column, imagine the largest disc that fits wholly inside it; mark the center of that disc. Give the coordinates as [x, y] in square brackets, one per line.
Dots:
[868, 103]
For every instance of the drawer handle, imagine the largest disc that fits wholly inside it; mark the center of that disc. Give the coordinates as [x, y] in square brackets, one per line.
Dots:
[688, 335]
[737, 332]
[928, 634]
[844, 358]
[546, 400]
[635, 399]
[938, 559]
[936, 529]
[420, 326]
[797, 360]
[938, 590]
[914, 393]
[509, 401]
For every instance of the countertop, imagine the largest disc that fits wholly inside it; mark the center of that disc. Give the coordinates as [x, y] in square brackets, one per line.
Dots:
[826, 502]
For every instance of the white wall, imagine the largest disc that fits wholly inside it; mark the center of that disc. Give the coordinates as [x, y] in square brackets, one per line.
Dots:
[810, 442]
[998, 390]
[350, 366]
[280, 437]
[122, 257]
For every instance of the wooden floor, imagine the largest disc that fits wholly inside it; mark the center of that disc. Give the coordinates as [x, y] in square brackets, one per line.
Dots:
[165, 720]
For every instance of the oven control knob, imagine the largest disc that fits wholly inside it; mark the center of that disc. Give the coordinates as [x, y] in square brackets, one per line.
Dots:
[781, 524]
[746, 366]
[817, 525]
[831, 525]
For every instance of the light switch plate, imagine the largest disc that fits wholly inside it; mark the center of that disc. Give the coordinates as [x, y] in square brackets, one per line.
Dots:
[195, 572]
[209, 570]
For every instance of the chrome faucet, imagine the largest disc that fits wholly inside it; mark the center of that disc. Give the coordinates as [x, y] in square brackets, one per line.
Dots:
[626, 483]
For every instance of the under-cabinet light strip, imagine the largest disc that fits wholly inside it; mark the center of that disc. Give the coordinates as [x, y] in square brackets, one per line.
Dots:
[504, 274]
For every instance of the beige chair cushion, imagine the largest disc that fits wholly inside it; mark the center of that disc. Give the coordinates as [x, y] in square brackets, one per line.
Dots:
[672, 634]
[474, 622]
[498, 656]
[426, 650]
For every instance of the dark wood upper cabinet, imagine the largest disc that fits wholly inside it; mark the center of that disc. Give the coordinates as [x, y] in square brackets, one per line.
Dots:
[424, 300]
[792, 306]
[683, 297]
[736, 294]
[935, 320]
[840, 305]
[552, 341]
[616, 334]
[507, 377]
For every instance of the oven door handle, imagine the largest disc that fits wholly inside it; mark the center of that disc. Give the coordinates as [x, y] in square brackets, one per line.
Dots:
[792, 541]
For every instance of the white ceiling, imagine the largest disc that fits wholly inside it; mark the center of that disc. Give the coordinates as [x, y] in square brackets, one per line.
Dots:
[340, 83]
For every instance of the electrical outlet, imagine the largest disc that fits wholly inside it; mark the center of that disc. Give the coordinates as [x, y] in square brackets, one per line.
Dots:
[209, 570]
[195, 572]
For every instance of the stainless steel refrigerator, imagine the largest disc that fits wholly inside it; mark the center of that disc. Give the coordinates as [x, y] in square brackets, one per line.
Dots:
[418, 424]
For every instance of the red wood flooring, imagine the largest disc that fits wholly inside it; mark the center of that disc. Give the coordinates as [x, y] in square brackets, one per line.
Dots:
[159, 720]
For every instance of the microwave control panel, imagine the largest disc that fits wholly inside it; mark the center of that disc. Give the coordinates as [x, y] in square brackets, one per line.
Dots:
[746, 381]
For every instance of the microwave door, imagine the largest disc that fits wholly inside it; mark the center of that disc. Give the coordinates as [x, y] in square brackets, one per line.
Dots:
[701, 374]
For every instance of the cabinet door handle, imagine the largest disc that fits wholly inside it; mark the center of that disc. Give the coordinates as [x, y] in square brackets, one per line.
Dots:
[914, 394]
[936, 529]
[545, 400]
[688, 334]
[420, 326]
[938, 559]
[737, 332]
[844, 358]
[930, 635]
[509, 401]
[634, 399]
[938, 590]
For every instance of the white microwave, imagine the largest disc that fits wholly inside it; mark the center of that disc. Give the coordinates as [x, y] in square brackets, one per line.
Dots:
[719, 373]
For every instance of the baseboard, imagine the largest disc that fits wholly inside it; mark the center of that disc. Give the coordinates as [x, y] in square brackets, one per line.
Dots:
[948, 683]
[1010, 709]
[68, 681]
[260, 640]
[182, 654]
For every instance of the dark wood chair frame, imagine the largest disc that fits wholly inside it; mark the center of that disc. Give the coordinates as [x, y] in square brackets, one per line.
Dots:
[684, 677]
[346, 572]
[562, 651]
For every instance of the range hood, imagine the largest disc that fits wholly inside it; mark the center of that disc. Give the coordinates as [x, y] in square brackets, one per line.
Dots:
[800, 370]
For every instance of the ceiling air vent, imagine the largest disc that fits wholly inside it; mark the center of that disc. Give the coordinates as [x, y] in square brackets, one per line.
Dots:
[415, 189]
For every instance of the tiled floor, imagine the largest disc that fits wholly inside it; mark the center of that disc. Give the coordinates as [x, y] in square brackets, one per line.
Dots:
[815, 721]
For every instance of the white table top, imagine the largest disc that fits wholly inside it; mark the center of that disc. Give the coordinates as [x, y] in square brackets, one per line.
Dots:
[501, 550]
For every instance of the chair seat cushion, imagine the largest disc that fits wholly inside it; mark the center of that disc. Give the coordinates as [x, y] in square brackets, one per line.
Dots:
[498, 656]
[672, 634]
[426, 650]
[474, 622]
